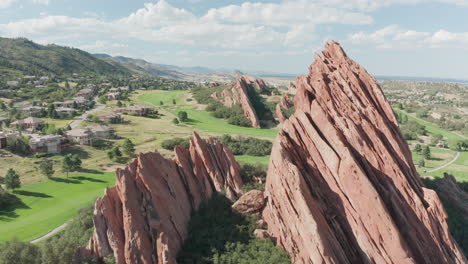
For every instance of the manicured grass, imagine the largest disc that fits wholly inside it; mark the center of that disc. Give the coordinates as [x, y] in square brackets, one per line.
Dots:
[439, 157]
[155, 97]
[459, 169]
[204, 121]
[264, 160]
[47, 205]
[59, 123]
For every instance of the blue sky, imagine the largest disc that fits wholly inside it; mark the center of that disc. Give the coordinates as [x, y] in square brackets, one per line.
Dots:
[427, 38]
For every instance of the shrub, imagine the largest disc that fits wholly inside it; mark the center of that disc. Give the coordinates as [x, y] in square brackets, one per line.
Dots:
[169, 144]
[247, 146]
[183, 116]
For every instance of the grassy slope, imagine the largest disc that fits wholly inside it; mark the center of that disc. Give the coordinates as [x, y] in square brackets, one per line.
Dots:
[253, 160]
[49, 204]
[200, 119]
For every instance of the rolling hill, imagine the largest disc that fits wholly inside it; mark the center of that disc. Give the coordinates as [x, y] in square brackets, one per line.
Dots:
[23, 57]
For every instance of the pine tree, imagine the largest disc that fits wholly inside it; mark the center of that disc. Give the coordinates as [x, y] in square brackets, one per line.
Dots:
[46, 167]
[12, 180]
[128, 147]
[426, 152]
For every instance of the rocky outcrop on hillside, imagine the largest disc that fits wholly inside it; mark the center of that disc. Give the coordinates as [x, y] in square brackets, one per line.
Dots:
[341, 185]
[250, 203]
[285, 104]
[144, 218]
[238, 94]
[292, 88]
[260, 85]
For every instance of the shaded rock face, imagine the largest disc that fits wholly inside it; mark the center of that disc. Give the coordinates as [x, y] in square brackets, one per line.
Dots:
[292, 88]
[238, 94]
[450, 191]
[260, 85]
[341, 184]
[250, 203]
[144, 218]
[285, 103]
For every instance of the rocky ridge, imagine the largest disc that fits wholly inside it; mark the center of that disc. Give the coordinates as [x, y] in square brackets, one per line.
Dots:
[341, 184]
[144, 218]
[238, 94]
[285, 103]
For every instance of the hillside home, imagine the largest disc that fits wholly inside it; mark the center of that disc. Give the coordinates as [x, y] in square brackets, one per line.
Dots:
[86, 92]
[34, 111]
[110, 118]
[30, 123]
[12, 83]
[50, 144]
[3, 141]
[113, 96]
[136, 110]
[102, 132]
[82, 136]
[65, 111]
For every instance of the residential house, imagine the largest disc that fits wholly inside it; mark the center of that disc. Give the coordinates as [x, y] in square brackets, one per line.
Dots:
[30, 123]
[50, 144]
[40, 86]
[137, 110]
[28, 77]
[34, 111]
[65, 111]
[113, 96]
[89, 135]
[102, 131]
[112, 118]
[86, 93]
[12, 83]
[82, 136]
[44, 78]
[3, 141]
[79, 101]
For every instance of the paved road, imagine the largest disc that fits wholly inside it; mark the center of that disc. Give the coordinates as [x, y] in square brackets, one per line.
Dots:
[51, 233]
[76, 123]
[446, 164]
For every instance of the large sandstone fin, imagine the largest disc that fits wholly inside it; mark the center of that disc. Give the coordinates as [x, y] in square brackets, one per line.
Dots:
[341, 185]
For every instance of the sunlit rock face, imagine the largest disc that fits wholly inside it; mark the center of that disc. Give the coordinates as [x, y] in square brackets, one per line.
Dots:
[144, 218]
[341, 185]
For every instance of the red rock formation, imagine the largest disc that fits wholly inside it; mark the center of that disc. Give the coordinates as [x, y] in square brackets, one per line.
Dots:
[238, 95]
[260, 85]
[144, 218]
[250, 203]
[450, 192]
[285, 103]
[341, 185]
[292, 88]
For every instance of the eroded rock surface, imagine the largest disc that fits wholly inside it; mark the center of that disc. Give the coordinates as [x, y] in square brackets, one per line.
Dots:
[341, 185]
[144, 218]
[285, 103]
[250, 203]
[238, 94]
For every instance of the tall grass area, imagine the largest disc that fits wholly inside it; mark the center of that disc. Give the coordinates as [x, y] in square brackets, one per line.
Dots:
[44, 206]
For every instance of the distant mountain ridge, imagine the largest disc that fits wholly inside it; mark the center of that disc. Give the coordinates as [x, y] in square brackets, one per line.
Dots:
[23, 57]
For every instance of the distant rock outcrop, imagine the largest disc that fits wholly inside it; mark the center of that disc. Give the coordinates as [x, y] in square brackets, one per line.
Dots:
[286, 103]
[144, 218]
[238, 94]
[449, 190]
[341, 185]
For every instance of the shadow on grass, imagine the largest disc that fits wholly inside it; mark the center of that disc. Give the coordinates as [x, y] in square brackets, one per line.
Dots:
[34, 194]
[65, 180]
[7, 211]
[91, 171]
[83, 154]
[83, 178]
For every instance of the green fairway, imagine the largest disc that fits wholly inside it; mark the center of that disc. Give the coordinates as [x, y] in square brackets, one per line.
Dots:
[264, 160]
[203, 120]
[47, 205]
[167, 97]
[459, 169]
[452, 138]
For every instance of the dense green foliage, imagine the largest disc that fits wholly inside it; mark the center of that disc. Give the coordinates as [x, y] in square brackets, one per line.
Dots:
[247, 145]
[234, 115]
[183, 116]
[128, 147]
[219, 235]
[46, 167]
[253, 177]
[12, 179]
[19, 145]
[28, 58]
[169, 144]
[457, 222]
[60, 248]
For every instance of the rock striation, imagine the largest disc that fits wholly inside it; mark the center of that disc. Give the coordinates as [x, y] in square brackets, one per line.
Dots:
[285, 103]
[292, 89]
[341, 185]
[144, 218]
[238, 94]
